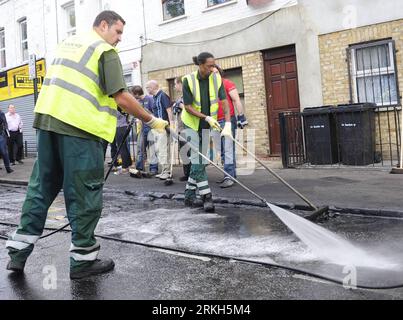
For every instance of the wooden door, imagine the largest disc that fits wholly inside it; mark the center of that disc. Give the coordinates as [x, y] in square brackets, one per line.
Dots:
[281, 90]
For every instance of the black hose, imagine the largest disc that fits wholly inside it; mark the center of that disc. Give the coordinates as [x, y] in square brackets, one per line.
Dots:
[212, 255]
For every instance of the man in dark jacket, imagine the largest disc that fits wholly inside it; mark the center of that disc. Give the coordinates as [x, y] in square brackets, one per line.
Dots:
[3, 141]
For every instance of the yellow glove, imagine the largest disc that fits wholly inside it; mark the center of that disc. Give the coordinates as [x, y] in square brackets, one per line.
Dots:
[213, 123]
[227, 132]
[157, 124]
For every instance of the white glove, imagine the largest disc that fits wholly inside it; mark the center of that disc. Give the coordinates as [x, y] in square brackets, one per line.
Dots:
[213, 123]
[227, 132]
[157, 124]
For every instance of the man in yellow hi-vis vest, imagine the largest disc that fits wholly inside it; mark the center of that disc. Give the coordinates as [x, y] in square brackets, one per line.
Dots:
[75, 112]
[202, 90]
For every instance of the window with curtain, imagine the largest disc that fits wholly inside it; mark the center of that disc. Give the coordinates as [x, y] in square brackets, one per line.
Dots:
[70, 18]
[373, 73]
[24, 39]
[172, 8]
[2, 48]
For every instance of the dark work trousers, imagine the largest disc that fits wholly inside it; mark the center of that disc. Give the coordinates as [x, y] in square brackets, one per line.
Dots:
[124, 151]
[4, 152]
[75, 165]
[15, 146]
[185, 156]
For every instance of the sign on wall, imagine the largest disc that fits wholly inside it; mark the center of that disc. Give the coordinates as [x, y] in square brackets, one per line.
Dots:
[16, 82]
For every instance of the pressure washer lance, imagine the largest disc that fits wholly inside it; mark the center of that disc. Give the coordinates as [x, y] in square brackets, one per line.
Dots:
[170, 180]
[177, 136]
[317, 211]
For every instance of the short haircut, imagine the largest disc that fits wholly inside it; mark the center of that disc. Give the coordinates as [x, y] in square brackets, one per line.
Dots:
[178, 79]
[137, 90]
[109, 16]
[202, 58]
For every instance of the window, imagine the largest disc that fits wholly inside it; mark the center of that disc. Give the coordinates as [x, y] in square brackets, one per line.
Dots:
[211, 3]
[373, 73]
[172, 8]
[128, 78]
[235, 75]
[70, 18]
[24, 39]
[2, 48]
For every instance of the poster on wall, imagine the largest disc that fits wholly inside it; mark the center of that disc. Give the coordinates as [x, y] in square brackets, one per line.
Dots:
[16, 82]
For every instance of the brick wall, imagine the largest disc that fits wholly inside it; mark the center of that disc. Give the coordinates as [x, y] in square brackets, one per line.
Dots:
[335, 78]
[254, 91]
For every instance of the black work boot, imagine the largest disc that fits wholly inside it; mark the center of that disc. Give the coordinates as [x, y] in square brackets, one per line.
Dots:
[208, 204]
[16, 266]
[97, 267]
[194, 203]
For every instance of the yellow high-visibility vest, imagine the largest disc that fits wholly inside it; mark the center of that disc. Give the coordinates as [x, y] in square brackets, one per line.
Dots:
[71, 90]
[215, 82]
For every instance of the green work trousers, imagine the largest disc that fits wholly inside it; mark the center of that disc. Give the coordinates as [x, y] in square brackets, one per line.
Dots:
[198, 179]
[75, 165]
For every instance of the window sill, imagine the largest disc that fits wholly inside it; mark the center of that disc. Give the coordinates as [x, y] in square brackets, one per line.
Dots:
[173, 20]
[219, 5]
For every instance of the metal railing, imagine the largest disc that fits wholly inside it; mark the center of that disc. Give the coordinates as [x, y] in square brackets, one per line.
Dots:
[29, 149]
[364, 138]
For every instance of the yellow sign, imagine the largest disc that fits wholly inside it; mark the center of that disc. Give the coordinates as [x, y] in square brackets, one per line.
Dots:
[15, 82]
[24, 82]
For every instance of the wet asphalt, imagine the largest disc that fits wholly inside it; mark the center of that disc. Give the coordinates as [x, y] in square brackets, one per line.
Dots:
[155, 267]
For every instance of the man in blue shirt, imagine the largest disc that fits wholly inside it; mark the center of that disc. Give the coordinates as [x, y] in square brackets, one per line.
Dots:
[162, 109]
[142, 134]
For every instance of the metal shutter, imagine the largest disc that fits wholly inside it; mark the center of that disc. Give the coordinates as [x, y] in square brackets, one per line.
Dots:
[24, 106]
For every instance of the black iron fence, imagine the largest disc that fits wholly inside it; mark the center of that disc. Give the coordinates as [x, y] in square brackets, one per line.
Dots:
[351, 135]
[29, 149]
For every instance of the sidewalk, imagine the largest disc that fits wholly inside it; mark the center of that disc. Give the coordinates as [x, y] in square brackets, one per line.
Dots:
[360, 190]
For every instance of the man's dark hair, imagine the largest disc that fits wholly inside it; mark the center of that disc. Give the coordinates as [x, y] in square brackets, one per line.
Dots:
[109, 16]
[201, 58]
[137, 90]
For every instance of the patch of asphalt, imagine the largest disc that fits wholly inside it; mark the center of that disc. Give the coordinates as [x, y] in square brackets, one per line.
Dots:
[306, 210]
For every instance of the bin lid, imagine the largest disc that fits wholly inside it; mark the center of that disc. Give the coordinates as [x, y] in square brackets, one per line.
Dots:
[318, 110]
[356, 107]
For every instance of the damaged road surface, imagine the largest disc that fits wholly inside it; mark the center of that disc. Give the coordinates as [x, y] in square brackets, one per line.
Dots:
[163, 250]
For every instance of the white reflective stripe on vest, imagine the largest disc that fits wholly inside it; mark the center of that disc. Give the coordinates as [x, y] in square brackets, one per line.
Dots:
[17, 244]
[193, 78]
[84, 257]
[24, 237]
[76, 66]
[81, 65]
[73, 247]
[215, 89]
[80, 92]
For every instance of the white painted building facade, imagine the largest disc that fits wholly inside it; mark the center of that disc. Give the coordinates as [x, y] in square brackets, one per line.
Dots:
[48, 22]
[232, 30]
